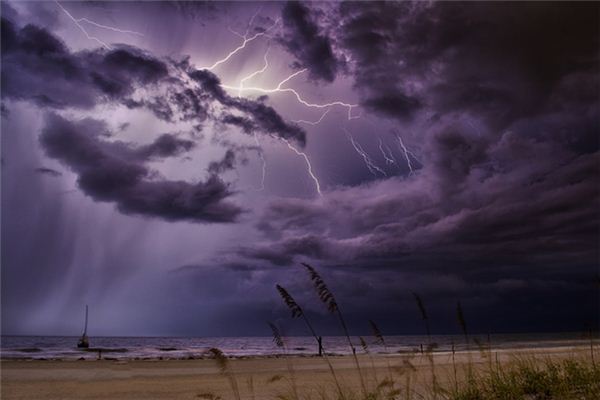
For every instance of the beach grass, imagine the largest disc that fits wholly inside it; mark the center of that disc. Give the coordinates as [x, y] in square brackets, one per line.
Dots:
[480, 372]
[530, 378]
[521, 377]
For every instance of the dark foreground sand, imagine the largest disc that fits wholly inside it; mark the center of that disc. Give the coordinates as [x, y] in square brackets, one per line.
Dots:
[187, 379]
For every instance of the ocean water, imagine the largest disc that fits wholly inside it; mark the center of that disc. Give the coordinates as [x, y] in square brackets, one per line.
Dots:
[127, 348]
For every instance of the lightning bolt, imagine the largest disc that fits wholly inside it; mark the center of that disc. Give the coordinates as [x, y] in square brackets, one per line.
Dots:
[280, 89]
[389, 159]
[317, 122]
[82, 28]
[253, 74]
[371, 166]
[78, 21]
[308, 164]
[264, 164]
[245, 41]
[407, 154]
[110, 28]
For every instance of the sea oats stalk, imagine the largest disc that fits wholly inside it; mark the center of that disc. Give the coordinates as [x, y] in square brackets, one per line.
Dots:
[423, 312]
[223, 365]
[430, 345]
[454, 367]
[379, 339]
[328, 299]
[597, 317]
[280, 342]
[460, 316]
[297, 312]
[365, 347]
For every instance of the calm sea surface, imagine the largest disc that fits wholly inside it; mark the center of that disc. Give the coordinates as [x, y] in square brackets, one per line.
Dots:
[62, 347]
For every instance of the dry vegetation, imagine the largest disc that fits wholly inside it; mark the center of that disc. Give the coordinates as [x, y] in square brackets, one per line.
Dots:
[480, 376]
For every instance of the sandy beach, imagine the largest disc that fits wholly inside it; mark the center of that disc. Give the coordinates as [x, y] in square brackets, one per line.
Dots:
[258, 378]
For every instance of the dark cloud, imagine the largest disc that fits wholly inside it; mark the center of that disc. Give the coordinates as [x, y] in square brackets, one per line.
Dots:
[114, 172]
[284, 252]
[499, 101]
[490, 213]
[259, 115]
[267, 120]
[130, 62]
[488, 59]
[48, 171]
[190, 104]
[225, 164]
[166, 145]
[397, 104]
[197, 10]
[302, 39]
[9, 13]
[245, 124]
[469, 203]
[209, 82]
[37, 66]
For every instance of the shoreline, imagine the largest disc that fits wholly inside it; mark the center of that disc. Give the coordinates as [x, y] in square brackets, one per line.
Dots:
[258, 377]
[173, 353]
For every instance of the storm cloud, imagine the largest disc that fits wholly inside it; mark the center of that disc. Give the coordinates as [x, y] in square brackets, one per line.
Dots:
[497, 61]
[38, 67]
[115, 172]
[507, 190]
[482, 119]
[302, 38]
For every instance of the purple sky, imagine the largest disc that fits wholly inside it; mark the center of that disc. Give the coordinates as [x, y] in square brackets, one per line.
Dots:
[159, 165]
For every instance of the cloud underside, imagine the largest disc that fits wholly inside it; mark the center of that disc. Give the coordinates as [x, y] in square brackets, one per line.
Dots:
[39, 68]
[506, 98]
[116, 172]
[509, 133]
[311, 48]
[499, 101]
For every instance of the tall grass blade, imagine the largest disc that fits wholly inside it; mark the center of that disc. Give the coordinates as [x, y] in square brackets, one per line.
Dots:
[377, 333]
[328, 299]
[423, 312]
[380, 340]
[223, 365]
[460, 316]
[297, 312]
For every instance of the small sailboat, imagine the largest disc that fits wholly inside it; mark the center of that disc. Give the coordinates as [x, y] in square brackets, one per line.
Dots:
[84, 343]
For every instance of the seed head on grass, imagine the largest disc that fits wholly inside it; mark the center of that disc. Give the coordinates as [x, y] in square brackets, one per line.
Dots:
[275, 378]
[461, 318]
[385, 382]
[481, 347]
[423, 312]
[298, 313]
[277, 337]
[407, 366]
[328, 299]
[290, 302]
[322, 290]
[223, 365]
[220, 358]
[363, 344]
[209, 396]
[377, 333]
[420, 305]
